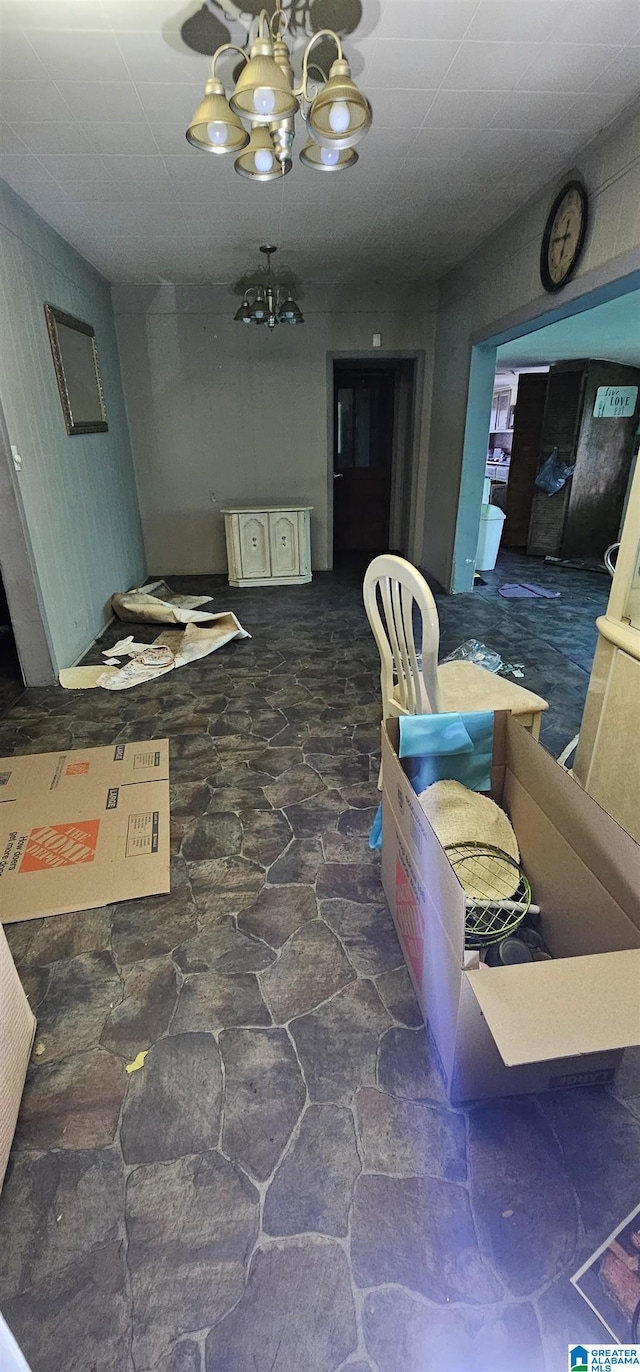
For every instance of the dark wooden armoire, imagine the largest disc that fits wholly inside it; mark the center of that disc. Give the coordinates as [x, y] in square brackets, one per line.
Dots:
[584, 518]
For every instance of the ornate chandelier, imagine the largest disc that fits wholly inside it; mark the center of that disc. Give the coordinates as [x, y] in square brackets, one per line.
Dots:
[336, 113]
[270, 303]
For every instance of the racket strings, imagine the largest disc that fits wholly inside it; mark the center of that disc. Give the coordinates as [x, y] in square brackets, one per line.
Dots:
[498, 892]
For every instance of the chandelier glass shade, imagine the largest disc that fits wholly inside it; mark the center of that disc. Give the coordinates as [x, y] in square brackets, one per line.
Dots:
[257, 122]
[215, 127]
[327, 159]
[271, 303]
[263, 92]
[258, 160]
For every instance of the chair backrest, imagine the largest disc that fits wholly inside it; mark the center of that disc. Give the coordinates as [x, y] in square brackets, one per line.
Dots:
[399, 587]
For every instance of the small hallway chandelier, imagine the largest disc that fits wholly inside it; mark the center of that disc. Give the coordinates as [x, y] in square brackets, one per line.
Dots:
[269, 303]
[257, 123]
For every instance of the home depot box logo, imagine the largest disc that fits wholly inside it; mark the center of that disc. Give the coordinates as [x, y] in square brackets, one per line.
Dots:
[60, 845]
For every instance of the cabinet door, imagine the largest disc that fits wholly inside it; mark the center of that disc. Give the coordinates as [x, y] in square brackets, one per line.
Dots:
[500, 408]
[284, 543]
[254, 545]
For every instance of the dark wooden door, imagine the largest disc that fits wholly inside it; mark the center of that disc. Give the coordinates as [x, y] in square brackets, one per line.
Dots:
[603, 463]
[525, 453]
[563, 407]
[362, 459]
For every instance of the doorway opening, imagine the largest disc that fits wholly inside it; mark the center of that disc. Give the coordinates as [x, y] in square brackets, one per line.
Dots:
[373, 441]
[597, 328]
[562, 438]
[568, 441]
[26, 658]
[11, 682]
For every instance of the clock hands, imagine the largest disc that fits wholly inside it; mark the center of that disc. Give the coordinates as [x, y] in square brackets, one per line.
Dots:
[563, 236]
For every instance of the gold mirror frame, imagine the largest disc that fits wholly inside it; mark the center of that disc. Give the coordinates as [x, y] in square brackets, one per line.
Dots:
[96, 425]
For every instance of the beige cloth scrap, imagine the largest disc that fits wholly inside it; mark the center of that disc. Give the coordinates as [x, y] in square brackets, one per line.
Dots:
[185, 602]
[172, 649]
[170, 638]
[146, 666]
[125, 647]
[84, 678]
[157, 604]
[200, 641]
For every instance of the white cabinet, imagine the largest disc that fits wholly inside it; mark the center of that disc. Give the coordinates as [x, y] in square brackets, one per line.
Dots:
[268, 545]
[254, 539]
[284, 543]
[500, 409]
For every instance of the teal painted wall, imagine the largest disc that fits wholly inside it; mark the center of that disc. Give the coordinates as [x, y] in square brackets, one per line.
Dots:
[79, 492]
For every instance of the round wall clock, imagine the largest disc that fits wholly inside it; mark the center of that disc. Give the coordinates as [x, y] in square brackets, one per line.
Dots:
[564, 234]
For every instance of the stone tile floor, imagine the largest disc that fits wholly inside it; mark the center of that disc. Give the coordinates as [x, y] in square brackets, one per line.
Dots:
[282, 1187]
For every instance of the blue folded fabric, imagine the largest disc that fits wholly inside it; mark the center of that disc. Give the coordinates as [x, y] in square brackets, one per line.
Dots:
[447, 747]
[425, 746]
[441, 734]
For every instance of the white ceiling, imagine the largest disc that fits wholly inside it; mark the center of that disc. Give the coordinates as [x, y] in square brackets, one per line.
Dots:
[477, 104]
[610, 331]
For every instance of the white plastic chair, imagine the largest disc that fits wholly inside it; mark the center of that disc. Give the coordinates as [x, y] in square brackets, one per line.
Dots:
[435, 689]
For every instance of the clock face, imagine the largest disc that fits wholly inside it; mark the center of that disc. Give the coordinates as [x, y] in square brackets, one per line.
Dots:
[563, 236]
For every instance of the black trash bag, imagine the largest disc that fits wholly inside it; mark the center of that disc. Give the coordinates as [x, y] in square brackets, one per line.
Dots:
[554, 473]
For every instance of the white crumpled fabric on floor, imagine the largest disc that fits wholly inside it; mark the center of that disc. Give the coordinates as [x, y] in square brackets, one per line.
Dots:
[157, 604]
[172, 650]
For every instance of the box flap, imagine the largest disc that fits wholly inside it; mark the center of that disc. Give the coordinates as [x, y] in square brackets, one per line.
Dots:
[17, 1028]
[609, 853]
[80, 770]
[561, 1009]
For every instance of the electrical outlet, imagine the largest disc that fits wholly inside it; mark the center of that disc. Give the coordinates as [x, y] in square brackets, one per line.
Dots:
[213, 497]
[377, 340]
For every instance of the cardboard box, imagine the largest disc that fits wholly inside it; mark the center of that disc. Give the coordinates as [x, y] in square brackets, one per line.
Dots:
[508, 1030]
[82, 829]
[17, 1028]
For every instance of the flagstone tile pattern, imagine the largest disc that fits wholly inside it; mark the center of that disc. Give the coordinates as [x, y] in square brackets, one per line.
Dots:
[282, 1186]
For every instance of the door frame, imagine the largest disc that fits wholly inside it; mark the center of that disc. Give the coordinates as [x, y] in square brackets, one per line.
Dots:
[591, 289]
[22, 588]
[404, 467]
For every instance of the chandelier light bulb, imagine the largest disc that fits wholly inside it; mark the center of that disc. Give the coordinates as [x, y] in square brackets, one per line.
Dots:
[256, 124]
[264, 100]
[217, 133]
[339, 117]
[263, 160]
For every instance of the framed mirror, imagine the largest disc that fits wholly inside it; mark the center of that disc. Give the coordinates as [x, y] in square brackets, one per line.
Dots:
[75, 359]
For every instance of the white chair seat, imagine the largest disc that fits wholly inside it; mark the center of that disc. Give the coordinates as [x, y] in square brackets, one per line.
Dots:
[451, 687]
[465, 686]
